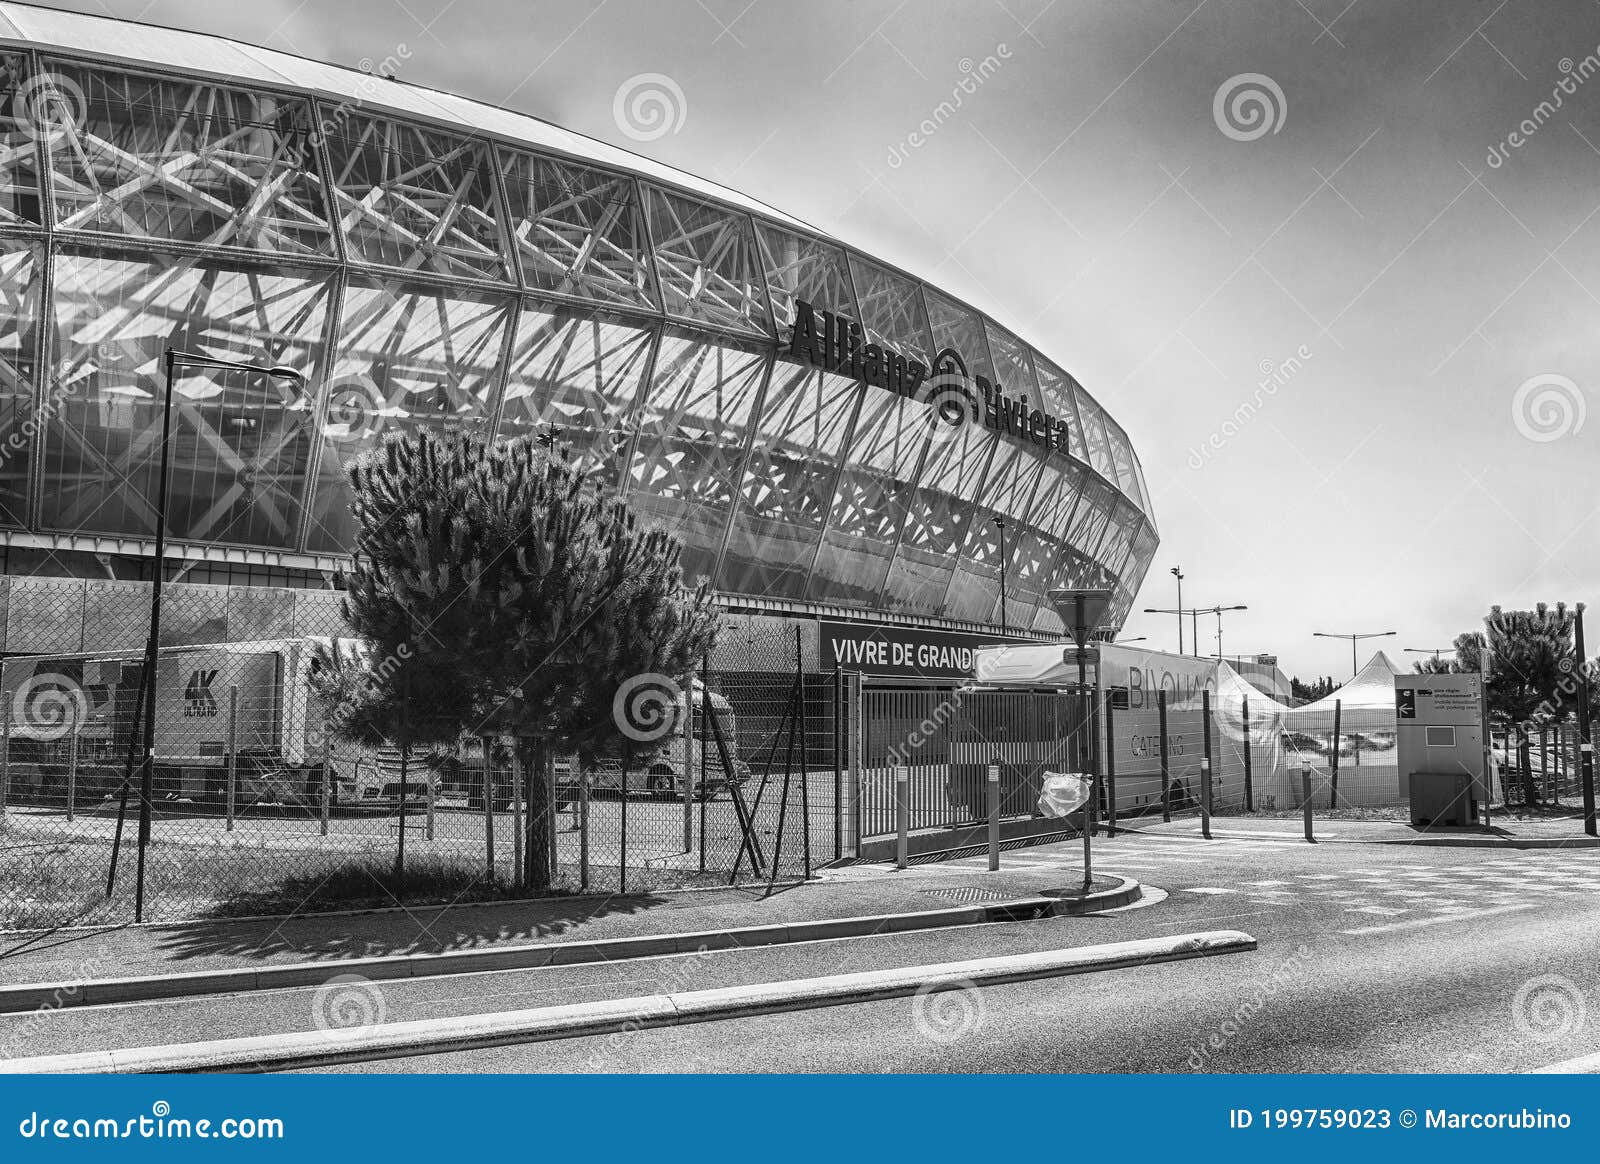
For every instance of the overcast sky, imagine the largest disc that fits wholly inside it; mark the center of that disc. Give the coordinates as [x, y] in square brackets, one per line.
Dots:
[1404, 476]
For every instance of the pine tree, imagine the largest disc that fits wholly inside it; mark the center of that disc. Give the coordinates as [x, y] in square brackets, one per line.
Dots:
[499, 594]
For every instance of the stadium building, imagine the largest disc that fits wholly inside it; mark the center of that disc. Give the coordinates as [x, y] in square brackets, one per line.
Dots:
[779, 398]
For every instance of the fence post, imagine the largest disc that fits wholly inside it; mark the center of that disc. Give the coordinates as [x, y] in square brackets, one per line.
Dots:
[688, 761]
[1166, 758]
[327, 777]
[1561, 764]
[1111, 771]
[5, 752]
[488, 807]
[516, 813]
[858, 759]
[430, 775]
[1249, 790]
[232, 794]
[583, 831]
[72, 772]
[902, 816]
[1205, 766]
[1333, 765]
[838, 763]
[707, 734]
[1305, 802]
[994, 816]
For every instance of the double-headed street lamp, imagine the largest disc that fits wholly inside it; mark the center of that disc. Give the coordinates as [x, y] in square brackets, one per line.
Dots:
[1354, 639]
[1434, 651]
[147, 682]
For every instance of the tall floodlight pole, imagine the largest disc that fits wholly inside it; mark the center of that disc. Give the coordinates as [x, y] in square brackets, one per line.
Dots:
[1177, 572]
[148, 678]
[1354, 639]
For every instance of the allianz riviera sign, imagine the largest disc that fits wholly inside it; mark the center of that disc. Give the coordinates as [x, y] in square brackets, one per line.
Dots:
[833, 343]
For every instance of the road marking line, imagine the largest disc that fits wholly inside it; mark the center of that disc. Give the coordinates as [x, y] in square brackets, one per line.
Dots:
[1209, 889]
[1582, 1065]
[1418, 923]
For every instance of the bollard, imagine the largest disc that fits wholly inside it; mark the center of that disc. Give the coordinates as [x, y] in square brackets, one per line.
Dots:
[1305, 789]
[232, 792]
[1088, 831]
[327, 779]
[72, 772]
[902, 817]
[994, 817]
[1205, 797]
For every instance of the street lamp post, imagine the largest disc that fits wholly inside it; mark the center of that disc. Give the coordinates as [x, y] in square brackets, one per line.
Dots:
[147, 692]
[1177, 572]
[1219, 611]
[1434, 651]
[1000, 524]
[1354, 639]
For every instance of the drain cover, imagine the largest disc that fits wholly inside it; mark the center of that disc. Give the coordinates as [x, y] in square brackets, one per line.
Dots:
[968, 893]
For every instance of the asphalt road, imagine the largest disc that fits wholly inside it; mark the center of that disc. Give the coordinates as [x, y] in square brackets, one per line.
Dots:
[1372, 958]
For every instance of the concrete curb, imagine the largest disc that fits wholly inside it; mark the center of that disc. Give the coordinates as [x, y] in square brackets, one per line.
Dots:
[30, 996]
[1496, 842]
[466, 1032]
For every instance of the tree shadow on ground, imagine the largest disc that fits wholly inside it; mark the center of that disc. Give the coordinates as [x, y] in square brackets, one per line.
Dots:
[429, 911]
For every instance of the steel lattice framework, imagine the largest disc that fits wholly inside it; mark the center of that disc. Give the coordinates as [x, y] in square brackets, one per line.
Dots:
[431, 262]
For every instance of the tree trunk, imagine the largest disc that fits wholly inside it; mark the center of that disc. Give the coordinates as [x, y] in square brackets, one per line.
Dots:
[536, 795]
[1530, 789]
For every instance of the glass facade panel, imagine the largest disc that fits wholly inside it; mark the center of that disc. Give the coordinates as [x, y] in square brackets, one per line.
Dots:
[869, 504]
[417, 199]
[27, 112]
[706, 263]
[1122, 458]
[199, 163]
[957, 328]
[20, 277]
[1093, 513]
[939, 519]
[788, 481]
[575, 375]
[1013, 360]
[1094, 429]
[579, 231]
[685, 470]
[803, 268]
[892, 311]
[240, 441]
[408, 357]
[1059, 391]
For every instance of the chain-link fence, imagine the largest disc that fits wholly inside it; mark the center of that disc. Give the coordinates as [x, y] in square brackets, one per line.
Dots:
[255, 808]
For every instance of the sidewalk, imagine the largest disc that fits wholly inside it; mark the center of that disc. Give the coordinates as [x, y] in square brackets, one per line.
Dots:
[155, 950]
[1505, 832]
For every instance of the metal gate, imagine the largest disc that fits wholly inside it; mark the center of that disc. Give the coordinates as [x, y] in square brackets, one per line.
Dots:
[947, 738]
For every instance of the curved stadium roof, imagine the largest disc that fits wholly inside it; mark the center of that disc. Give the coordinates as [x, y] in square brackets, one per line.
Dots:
[1098, 442]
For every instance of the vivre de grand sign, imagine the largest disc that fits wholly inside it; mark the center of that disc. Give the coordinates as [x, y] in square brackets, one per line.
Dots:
[834, 343]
